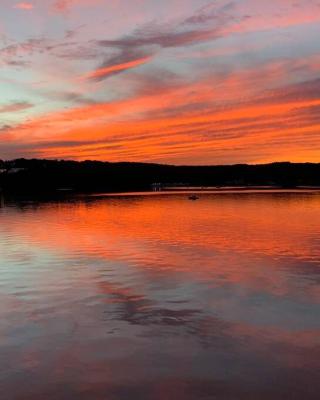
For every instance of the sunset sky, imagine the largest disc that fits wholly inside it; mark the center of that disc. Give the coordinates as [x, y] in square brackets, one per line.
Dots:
[169, 81]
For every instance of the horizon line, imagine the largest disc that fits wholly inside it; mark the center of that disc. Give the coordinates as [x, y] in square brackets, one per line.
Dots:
[157, 163]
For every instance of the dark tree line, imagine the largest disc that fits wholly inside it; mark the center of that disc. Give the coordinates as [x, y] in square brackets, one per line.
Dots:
[44, 176]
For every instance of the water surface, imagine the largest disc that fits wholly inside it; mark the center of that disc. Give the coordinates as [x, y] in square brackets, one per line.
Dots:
[157, 297]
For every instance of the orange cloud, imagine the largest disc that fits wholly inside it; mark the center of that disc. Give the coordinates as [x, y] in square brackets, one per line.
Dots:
[113, 69]
[211, 120]
[260, 131]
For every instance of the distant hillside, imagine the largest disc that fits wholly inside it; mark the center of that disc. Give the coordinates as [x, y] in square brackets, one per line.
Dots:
[44, 176]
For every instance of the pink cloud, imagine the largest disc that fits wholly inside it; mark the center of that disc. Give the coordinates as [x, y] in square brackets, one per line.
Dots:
[15, 107]
[64, 5]
[24, 6]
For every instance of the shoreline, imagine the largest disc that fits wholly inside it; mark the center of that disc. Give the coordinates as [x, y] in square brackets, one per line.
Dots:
[188, 191]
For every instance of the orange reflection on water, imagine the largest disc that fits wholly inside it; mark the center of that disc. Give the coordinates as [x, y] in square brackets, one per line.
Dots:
[172, 234]
[147, 295]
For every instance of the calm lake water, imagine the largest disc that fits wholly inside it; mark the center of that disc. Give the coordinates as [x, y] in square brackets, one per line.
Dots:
[158, 297]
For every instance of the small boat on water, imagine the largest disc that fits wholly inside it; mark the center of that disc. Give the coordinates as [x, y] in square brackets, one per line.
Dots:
[193, 197]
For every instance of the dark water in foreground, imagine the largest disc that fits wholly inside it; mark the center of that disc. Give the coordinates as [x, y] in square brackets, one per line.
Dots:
[158, 297]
